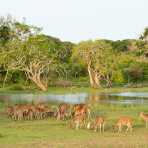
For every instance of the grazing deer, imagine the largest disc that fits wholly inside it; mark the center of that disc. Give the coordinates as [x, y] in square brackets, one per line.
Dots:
[28, 112]
[124, 121]
[41, 110]
[18, 113]
[62, 111]
[78, 121]
[144, 117]
[81, 109]
[10, 111]
[98, 123]
[31, 112]
[37, 113]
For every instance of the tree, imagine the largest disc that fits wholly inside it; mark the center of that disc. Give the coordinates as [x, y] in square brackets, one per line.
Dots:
[29, 58]
[144, 35]
[4, 34]
[98, 57]
[135, 72]
[11, 29]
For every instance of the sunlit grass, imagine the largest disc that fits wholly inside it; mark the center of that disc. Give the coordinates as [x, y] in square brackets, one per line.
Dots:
[73, 89]
[51, 132]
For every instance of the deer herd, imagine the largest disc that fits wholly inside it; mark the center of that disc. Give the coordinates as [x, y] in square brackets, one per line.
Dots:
[79, 115]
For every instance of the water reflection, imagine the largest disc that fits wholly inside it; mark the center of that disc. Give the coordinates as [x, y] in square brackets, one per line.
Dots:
[114, 98]
[68, 98]
[131, 94]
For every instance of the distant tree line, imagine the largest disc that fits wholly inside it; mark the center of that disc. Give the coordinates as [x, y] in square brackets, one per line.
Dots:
[27, 57]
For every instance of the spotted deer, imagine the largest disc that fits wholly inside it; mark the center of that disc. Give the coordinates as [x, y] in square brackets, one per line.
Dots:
[79, 121]
[62, 111]
[10, 111]
[98, 123]
[124, 121]
[79, 109]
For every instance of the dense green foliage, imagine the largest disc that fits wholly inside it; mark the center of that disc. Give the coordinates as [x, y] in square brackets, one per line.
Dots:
[28, 57]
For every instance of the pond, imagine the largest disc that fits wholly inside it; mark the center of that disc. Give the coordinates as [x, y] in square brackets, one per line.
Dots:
[103, 98]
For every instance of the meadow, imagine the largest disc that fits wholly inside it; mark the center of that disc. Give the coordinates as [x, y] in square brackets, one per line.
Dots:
[34, 62]
[73, 89]
[57, 134]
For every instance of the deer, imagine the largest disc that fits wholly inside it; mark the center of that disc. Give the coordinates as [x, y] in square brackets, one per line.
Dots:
[10, 111]
[62, 111]
[81, 109]
[17, 113]
[30, 112]
[40, 111]
[144, 117]
[78, 121]
[124, 121]
[98, 123]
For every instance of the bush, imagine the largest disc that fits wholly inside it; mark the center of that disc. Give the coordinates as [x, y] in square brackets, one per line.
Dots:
[17, 87]
[135, 73]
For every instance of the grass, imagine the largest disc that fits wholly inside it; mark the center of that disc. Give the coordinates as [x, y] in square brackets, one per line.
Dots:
[62, 90]
[57, 134]
[92, 90]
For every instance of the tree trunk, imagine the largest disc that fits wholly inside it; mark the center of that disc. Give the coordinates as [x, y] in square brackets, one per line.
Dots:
[97, 80]
[5, 78]
[93, 77]
[109, 83]
[35, 72]
[40, 84]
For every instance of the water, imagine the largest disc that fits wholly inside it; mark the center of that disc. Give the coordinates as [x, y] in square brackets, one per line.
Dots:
[111, 98]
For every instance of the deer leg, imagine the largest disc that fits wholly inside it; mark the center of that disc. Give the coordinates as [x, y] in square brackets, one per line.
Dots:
[100, 127]
[127, 129]
[131, 129]
[58, 116]
[103, 127]
[120, 128]
[96, 127]
[77, 125]
[15, 117]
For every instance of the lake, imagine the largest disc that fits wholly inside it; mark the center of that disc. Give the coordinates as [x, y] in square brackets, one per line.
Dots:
[75, 98]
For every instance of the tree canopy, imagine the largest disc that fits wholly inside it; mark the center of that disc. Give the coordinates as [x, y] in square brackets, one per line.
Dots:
[28, 54]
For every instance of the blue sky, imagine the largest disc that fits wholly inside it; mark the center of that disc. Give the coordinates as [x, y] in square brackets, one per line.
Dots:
[76, 20]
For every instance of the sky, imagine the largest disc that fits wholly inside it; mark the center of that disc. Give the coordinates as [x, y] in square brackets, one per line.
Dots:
[77, 20]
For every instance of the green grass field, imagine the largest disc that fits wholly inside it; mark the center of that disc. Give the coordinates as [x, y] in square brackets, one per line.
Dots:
[73, 89]
[50, 133]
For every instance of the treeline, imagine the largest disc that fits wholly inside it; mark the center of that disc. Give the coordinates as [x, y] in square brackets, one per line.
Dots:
[29, 57]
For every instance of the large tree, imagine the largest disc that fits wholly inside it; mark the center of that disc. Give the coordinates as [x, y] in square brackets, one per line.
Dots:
[98, 57]
[11, 29]
[20, 49]
[29, 58]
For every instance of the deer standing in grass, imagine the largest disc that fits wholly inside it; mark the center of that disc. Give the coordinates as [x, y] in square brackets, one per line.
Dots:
[62, 111]
[79, 121]
[10, 111]
[144, 117]
[98, 123]
[124, 121]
